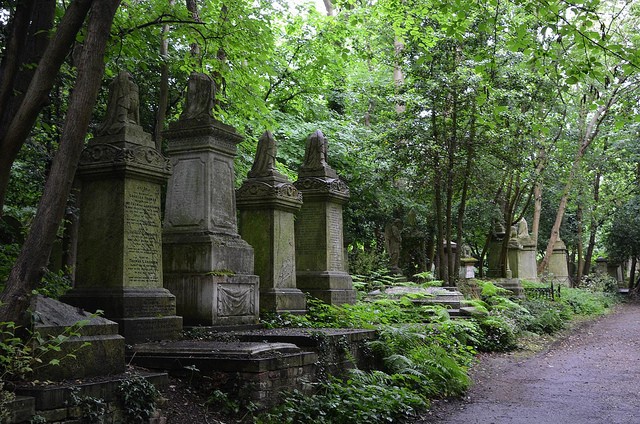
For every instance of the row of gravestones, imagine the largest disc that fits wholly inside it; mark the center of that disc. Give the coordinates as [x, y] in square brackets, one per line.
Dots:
[148, 277]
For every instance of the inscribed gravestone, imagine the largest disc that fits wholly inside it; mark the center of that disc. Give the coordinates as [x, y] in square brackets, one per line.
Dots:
[119, 263]
[207, 265]
[267, 202]
[320, 263]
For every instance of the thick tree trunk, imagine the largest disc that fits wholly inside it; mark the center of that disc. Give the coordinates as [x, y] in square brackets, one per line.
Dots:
[14, 129]
[28, 268]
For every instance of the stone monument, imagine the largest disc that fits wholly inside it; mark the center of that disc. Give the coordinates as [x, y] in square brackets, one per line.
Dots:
[393, 243]
[526, 265]
[267, 202]
[494, 255]
[206, 264]
[119, 263]
[320, 265]
[558, 267]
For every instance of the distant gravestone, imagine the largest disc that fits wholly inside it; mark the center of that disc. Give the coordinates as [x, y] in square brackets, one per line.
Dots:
[119, 262]
[320, 264]
[494, 253]
[558, 267]
[526, 266]
[267, 202]
[393, 245]
[207, 265]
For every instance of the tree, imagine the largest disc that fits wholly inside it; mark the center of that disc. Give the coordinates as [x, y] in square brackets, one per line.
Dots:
[28, 269]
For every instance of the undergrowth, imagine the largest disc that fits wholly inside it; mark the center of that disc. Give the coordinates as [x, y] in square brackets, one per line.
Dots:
[425, 354]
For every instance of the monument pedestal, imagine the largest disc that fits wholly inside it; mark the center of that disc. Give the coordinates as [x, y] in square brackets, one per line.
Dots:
[558, 267]
[206, 264]
[119, 265]
[320, 266]
[267, 207]
[527, 267]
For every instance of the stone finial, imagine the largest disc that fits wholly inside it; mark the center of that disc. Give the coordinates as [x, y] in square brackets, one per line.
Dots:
[264, 164]
[200, 97]
[523, 229]
[123, 107]
[315, 157]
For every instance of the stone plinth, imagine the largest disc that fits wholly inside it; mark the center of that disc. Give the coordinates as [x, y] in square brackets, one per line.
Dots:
[558, 268]
[96, 344]
[527, 267]
[206, 264]
[320, 266]
[467, 268]
[267, 207]
[119, 265]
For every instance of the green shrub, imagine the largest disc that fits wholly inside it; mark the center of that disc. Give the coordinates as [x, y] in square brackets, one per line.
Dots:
[499, 334]
[363, 398]
[546, 317]
[138, 397]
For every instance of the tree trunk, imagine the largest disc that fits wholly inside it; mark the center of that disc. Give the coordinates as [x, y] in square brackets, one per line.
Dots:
[589, 135]
[28, 268]
[163, 98]
[579, 247]
[593, 228]
[15, 127]
[632, 272]
[329, 7]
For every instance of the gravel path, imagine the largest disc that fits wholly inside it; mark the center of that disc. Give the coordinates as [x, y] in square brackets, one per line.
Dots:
[592, 376]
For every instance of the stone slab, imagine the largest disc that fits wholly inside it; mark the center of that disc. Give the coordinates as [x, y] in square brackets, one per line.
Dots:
[104, 354]
[21, 409]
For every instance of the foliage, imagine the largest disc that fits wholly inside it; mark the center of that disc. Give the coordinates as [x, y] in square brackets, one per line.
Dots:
[54, 284]
[138, 396]
[363, 398]
[92, 409]
[20, 356]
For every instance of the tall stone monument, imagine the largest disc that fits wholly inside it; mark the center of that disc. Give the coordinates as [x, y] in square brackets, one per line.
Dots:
[267, 202]
[393, 245]
[119, 264]
[320, 265]
[558, 267]
[495, 259]
[207, 265]
[526, 267]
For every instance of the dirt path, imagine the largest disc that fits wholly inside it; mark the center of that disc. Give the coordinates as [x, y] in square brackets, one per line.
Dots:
[592, 376]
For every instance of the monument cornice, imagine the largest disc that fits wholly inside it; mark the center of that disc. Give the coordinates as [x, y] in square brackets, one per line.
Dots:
[319, 187]
[103, 158]
[255, 194]
[191, 134]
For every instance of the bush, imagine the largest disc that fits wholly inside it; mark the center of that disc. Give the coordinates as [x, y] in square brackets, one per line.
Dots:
[499, 335]
[363, 398]
[138, 397]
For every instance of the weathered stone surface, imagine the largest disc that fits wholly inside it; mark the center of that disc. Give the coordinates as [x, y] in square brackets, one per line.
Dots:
[215, 299]
[558, 268]
[267, 202]
[119, 245]
[103, 356]
[21, 409]
[207, 265]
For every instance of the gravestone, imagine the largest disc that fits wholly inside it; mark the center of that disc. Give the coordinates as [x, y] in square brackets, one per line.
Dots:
[558, 268]
[393, 243]
[527, 268]
[119, 262]
[206, 264]
[494, 254]
[267, 202]
[320, 265]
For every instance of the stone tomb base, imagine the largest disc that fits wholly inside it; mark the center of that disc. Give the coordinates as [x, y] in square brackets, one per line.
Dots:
[281, 299]
[142, 314]
[215, 299]
[332, 287]
[96, 342]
